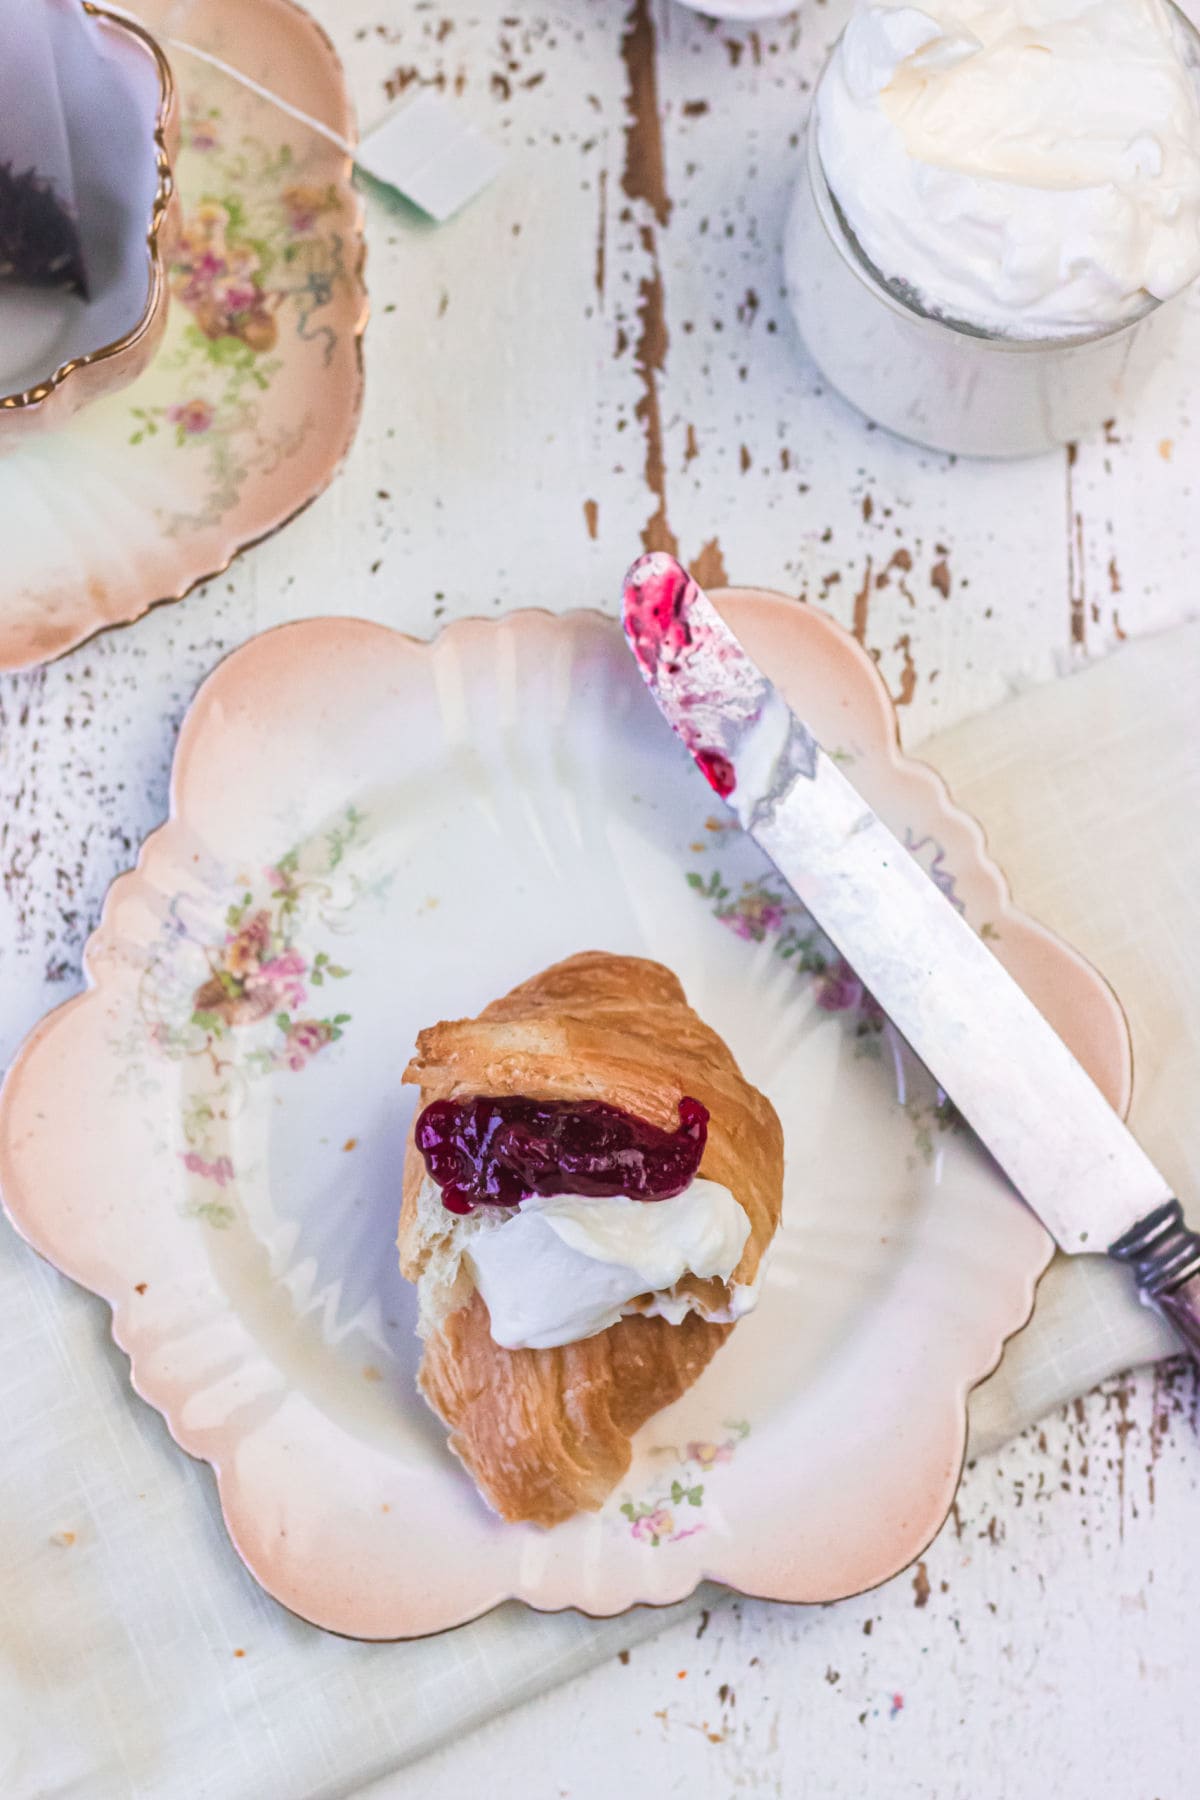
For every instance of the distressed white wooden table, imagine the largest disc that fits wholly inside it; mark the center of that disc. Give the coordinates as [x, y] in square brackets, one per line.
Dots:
[594, 358]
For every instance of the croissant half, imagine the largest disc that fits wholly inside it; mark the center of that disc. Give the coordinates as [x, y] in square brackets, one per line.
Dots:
[546, 1433]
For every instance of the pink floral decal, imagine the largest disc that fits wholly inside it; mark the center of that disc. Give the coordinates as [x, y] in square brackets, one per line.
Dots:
[260, 257]
[258, 973]
[303, 206]
[654, 1527]
[757, 916]
[199, 130]
[220, 1171]
[760, 909]
[840, 990]
[305, 1037]
[191, 417]
[709, 1455]
[257, 1008]
[668, 1518]
[218, 275]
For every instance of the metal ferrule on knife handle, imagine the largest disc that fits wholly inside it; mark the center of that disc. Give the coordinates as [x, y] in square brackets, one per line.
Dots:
[1164, 1255]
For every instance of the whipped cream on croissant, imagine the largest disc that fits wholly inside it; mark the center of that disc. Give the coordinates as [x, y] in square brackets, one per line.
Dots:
[570, 1121]
[558, 1270]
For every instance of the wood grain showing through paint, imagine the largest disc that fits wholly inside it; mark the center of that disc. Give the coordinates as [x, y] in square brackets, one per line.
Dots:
[643, 181]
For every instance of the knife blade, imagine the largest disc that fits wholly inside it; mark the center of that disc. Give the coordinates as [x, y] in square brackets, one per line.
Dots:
[1009, 1074]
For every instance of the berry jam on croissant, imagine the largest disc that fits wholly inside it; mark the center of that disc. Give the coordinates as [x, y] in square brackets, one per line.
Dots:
[498, 1152]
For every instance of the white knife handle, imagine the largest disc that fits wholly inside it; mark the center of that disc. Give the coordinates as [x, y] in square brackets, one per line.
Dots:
[1165, 1257]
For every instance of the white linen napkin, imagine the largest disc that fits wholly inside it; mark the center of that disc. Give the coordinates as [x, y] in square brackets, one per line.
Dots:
[137, 1658]
[1090, 793]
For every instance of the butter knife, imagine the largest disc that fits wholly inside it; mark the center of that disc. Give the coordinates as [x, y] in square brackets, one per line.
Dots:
[1009, 1074]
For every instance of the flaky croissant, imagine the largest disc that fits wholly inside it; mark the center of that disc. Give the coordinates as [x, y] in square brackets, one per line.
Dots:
[546, 1433]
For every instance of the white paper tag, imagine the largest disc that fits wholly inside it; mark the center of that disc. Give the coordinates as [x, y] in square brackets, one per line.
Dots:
[426, 151]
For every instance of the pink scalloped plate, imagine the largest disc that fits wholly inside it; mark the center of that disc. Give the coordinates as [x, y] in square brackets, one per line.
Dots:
[368, 834]
[253, 395]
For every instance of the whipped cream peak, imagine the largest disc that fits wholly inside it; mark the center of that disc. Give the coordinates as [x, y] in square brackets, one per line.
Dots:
[876, 47]
[1027, 167]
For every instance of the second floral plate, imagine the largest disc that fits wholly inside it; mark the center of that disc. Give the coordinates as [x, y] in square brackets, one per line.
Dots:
[211, 1137]
[252, 400]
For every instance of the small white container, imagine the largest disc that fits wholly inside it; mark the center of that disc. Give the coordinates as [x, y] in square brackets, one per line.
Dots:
[944, 385]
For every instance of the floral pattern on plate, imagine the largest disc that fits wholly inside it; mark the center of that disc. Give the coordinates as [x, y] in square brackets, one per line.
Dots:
[261, 257]
[466, 812]
[674, 1509]
[753, 902]
[253, 397]
[243, 1008]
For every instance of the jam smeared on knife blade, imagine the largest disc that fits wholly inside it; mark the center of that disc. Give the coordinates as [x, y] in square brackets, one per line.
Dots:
[717, 770]
[669, 639]
[656, 595]
[498, 1152]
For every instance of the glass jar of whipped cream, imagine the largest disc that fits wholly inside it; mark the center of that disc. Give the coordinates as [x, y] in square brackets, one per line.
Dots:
[999, 214]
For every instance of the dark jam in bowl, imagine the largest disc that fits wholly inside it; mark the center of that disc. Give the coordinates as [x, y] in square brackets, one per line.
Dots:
[498, 1152]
